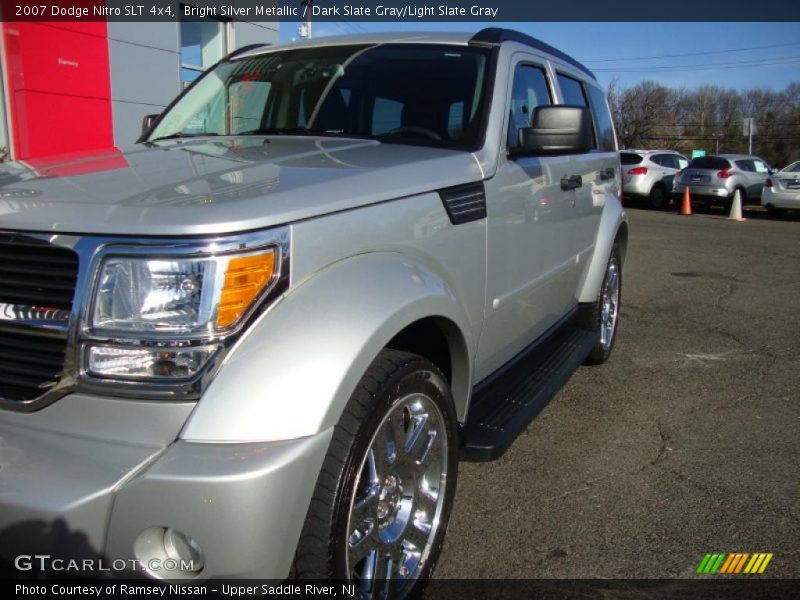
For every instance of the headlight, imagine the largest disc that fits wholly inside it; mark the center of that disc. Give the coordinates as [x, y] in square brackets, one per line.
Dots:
[165, 315]
[179, 295]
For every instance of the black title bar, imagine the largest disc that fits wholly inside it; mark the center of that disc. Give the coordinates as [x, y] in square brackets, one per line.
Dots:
[401, 11]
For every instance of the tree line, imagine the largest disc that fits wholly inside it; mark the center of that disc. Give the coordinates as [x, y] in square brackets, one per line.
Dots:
[650, 115]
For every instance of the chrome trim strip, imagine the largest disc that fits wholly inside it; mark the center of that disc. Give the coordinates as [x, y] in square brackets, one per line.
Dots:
[18, 315]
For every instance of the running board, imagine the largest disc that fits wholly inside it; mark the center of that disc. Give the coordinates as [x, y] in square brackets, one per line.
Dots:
[502, 408]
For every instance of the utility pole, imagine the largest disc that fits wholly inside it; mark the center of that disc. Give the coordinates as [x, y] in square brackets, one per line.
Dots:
[304, 30]
[748, 129]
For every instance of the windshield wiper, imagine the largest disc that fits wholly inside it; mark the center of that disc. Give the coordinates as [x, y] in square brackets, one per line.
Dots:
[280, 131]
[178, 135]
[303, 131]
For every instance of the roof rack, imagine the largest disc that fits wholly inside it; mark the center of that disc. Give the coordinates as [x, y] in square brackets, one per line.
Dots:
[498, 35]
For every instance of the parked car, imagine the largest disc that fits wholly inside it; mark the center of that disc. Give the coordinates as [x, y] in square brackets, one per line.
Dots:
[257, 343]
[650, 174]
[782, 190]
[713, 179]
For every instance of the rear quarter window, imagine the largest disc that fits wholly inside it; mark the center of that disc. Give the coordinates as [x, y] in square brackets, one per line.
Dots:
[628, 158]
[709, 162]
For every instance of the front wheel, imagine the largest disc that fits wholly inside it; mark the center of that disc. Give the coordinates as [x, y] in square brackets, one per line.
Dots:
[605, 314]
[383, 499]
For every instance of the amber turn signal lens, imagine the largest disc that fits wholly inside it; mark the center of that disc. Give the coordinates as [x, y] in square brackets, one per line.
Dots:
[245, 278]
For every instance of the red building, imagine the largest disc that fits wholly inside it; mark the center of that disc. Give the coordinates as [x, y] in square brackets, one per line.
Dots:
[70, 86]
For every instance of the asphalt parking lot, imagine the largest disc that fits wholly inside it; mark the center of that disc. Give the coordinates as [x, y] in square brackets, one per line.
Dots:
[686, 442]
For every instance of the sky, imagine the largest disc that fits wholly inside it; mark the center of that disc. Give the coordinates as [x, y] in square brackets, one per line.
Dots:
[730, 55]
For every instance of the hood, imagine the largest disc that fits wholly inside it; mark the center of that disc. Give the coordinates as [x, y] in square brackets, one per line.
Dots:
[210, 186]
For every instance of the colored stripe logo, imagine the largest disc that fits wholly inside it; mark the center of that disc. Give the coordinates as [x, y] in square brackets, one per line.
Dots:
[734, 563]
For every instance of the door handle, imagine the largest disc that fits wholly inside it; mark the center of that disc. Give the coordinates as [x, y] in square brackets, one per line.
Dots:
[570, 183]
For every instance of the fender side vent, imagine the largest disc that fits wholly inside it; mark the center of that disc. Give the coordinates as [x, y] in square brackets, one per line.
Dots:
[464, 203]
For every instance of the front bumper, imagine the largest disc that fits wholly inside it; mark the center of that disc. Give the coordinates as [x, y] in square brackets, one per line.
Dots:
[86, 487]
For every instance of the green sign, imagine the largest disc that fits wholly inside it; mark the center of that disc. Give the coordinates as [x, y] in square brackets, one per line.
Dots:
[696, 153]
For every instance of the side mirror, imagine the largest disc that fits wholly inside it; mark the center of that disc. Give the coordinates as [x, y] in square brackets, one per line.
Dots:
[147, 123]
[557, 129]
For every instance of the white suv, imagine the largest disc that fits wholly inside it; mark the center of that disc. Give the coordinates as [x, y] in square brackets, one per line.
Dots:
[650, 174]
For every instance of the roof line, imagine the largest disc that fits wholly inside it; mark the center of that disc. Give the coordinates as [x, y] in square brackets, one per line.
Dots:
[498, 35]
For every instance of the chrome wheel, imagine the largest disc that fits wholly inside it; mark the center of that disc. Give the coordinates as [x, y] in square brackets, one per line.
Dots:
[609, 304]
[395, 510]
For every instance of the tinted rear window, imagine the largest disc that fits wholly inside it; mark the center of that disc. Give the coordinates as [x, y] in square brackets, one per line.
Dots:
[709, 162]
[626, 158]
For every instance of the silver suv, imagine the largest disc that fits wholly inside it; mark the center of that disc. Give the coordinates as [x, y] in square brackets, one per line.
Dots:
[714, 179]
[650, 174]
[258, 342]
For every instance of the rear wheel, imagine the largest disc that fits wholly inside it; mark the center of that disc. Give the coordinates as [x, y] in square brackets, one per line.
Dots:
[605, 315]
[383, 499]
[658, 197]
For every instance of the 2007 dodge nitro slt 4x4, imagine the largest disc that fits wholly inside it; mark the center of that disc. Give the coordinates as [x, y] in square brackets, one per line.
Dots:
[258, 341]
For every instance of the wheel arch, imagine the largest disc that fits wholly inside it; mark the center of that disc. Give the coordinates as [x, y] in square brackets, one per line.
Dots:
[612, 230]
[621, 241]
[440, 340]
[269, 391]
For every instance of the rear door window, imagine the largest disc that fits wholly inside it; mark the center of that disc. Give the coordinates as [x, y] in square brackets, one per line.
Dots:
[746, 165]
[602, 119]
[664, 160]
[571, 91]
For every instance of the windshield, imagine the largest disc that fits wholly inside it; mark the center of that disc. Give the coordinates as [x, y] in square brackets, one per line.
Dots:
[413, 94]
[792, 168]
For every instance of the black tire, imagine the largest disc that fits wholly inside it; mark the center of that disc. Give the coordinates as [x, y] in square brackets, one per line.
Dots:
[602, 350]
[658, 197]
[323, 550]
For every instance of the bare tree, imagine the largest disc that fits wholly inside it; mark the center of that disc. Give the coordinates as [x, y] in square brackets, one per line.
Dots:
[650, 115]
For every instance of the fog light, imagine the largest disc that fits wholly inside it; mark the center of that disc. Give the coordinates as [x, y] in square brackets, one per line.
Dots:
[166, 553]
[183, 549]
[148, 363]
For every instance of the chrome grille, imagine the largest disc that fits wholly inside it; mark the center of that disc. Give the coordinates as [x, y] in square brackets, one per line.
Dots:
[37, 286]
[31, 362]
[37, 275]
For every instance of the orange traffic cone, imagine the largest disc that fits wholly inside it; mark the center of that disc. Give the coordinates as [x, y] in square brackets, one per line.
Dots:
[686, 203]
